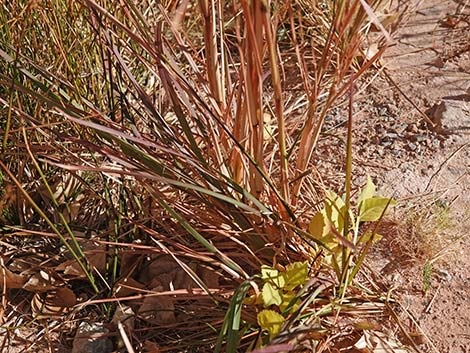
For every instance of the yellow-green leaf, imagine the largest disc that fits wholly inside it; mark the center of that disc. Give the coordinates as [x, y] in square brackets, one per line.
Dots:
[334, 210]
[270, 321]
[295, 275]
[367, 193]
[286, 299]
[253, 300]
[366, 237]
[269, 274]
[319, 226]
[373, 208]
[271, 295]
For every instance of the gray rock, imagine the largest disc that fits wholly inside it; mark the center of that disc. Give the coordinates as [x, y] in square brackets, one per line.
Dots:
[92, 337]
[419, 138]
[401, 128]
[390, 136]
[407, 166]
[444, 275]
[436, 143]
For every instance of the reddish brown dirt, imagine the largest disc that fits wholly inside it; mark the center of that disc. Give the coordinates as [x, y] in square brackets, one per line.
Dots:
[431, 64]
[427, 169]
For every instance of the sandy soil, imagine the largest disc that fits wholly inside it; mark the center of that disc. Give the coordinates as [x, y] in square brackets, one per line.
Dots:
[430, 64]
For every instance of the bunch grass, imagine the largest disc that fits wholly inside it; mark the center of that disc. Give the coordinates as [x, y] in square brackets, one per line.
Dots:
[180, 117]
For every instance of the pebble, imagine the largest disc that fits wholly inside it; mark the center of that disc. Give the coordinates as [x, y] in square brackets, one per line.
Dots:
[85, 340]
[412, 146]
[444, 275]
[401, 128]
[435, 143]
[407, 166]
[413, 128]
[390, 135]
[419, 138]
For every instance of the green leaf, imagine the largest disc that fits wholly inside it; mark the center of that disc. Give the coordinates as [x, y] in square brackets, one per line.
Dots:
[295, 275]
[271, 275]
[319, 226]
[268, 272]
[320, 229]
[366, 237]
[270, 321]
[335, 210]
[287, 298]
[271, 295]
[373, 208]
[231, 326]
[367, 193]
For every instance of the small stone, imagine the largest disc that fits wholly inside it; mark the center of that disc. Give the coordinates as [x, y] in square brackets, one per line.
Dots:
[396, 152]
[393, 109]
[435, 143]
[413, 128]
[92, 337]
[401, 128]
[407, 166]
[382, 111]
[390, 136]
[444, 275]
[419, 138]
[412, 146]
[386, 143]
[380, 151]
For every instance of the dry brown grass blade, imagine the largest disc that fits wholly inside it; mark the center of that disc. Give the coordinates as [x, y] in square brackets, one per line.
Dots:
[163, 111]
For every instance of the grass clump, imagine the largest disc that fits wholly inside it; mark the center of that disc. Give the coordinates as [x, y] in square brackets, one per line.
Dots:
[160, 146]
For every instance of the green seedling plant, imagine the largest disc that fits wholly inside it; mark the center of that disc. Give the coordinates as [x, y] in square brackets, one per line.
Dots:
[279, 295]
[337, 227]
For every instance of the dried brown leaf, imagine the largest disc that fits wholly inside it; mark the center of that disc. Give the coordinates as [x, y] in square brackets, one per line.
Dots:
[53, 304]
[127, 286]
[10, 279]
[158, 310]
[42, 281]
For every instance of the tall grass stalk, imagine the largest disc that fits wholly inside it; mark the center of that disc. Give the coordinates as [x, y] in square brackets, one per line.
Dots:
[189, 112]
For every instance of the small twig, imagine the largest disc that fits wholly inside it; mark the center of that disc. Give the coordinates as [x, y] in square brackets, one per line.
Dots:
[444, 163]
[435, 127]
[4, 291]
[427, 310]
[125, 338]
